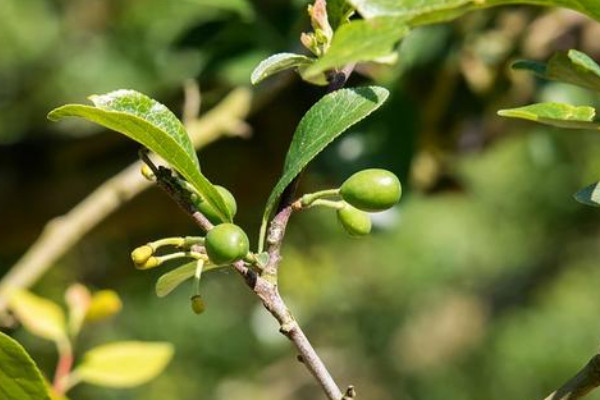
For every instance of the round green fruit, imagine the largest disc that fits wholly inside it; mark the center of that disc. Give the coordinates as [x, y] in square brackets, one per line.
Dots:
[356, 222]
[226, 243]
[210, 213]
[197, 304]
[372, 190]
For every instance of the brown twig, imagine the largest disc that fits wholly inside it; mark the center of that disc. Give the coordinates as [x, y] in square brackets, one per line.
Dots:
[265, 283]
[586, 380]
[267, 289]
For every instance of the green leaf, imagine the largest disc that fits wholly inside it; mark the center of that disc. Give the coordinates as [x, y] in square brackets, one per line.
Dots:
[360, 41]
[572, 67]
[169, 281]
[589, 195]
[420, 12]
[278, 63]
[39, 316]
[124, 364]
[154, 126]
[556, 114]
[338, 12]
[20, 379]
[325, 121]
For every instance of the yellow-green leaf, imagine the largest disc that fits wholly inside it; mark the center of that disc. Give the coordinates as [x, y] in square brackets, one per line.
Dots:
[572, 67]
[124, 364]
[20, 379]
[278, 63]
[419, 12]
[169, 281]
[556, 114]
[38, 315]
[359, 41]
[152, 124]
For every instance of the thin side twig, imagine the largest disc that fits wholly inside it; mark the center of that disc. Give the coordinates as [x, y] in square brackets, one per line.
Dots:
[265, 283]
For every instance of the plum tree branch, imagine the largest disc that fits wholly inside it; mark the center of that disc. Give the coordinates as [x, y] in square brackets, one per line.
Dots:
[265, 283]
[586, 380]
[63, 232]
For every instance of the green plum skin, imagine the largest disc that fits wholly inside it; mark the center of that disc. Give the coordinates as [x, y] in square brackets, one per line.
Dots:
[356, 222]
[210, 213]
[372, 190]
[226, 243]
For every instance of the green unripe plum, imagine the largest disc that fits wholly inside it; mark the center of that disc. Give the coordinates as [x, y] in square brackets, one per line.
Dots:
[356, 222]
[226, 243]
[372, 190]
[197, 304]
[210, 213]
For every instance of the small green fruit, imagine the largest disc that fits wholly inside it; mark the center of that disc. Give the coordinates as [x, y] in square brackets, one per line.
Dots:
[226, 243]
[372, 190]
[140, 255]
[356, 222]
[210, 213]
[198, 305]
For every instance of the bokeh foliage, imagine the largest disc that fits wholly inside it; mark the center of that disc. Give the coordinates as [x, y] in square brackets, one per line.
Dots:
[482, 284]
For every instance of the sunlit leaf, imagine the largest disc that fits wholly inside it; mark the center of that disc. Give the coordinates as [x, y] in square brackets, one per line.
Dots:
[169, 281]
[20, 379]
[154, 126]
[572, 67]
[359, 41]
[419, 12]
[39, 316]
[589, 195]
[325, 121]
[124, 364]
[278, 63]
[556, 114]
[104, 303]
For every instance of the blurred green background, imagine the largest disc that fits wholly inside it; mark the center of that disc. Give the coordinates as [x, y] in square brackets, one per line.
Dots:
[481, 284]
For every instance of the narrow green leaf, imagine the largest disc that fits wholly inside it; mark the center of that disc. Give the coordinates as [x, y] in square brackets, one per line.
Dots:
[360, 41]
[572, 67]
[169, 281]
[420, 12]
[556, 114]
[20, 378]
[325, 121]
[124, 364]
[278, 63]
[590, 195]
[154, 126]
[39, 316]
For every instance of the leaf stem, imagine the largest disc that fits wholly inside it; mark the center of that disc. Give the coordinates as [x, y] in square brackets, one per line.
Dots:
[63, 367]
